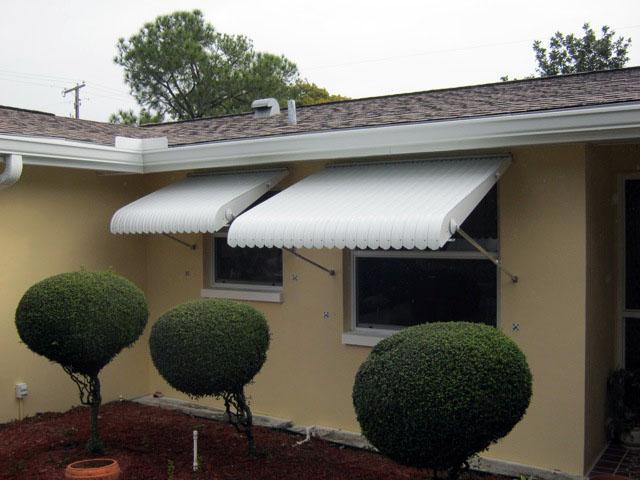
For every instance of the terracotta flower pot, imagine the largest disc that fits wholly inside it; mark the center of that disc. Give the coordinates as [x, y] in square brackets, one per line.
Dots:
[95, 469]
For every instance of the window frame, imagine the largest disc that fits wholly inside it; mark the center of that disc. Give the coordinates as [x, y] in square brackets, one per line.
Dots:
[623, 313]
[372, 335]
[234, 286]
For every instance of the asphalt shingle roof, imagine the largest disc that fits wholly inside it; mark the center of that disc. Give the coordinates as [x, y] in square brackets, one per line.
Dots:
[568, 91]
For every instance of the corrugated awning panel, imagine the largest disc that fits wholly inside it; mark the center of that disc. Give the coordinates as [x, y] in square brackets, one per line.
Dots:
[379, 206]
[196, 204]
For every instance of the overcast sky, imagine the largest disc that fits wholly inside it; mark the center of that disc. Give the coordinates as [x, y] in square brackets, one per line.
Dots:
[355, 48]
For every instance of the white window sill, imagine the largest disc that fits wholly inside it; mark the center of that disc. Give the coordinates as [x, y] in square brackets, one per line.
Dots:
[271, 296]
[364, 339]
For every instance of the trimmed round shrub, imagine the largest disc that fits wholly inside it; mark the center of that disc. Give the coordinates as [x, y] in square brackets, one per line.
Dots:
[81, 320]
[213, 348]
[209, 347]
[433, 395]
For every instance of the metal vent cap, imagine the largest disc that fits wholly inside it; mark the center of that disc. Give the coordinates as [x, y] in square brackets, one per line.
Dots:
[265, 107]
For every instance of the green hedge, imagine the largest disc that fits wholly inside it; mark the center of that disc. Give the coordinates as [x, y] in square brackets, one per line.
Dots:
[432, 395]
[209, 347]
[81, 320]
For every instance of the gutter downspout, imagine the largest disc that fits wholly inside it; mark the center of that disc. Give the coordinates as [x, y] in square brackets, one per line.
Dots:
[12, 171]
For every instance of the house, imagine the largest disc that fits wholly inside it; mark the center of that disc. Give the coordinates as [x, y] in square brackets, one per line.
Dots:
[344, 222]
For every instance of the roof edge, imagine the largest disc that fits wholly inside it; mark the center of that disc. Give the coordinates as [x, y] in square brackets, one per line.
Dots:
[583, 124]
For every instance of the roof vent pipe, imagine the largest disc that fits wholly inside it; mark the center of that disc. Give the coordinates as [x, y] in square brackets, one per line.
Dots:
[12, 171]
[265, 107]
[292, 118]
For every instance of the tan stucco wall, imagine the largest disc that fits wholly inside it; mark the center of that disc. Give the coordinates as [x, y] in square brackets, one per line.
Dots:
[56, 220]
[542, 240]
[309, 374]
[600, 297]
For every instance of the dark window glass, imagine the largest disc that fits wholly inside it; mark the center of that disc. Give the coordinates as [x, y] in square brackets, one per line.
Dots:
[632, 343]
[632, 244]
[394, 292]
[251, 266]
[481, 225]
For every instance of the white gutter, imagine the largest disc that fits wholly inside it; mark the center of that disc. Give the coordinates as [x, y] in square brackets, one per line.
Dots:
[589, 124]
[564, 126]
[53, 152]
[12, 171]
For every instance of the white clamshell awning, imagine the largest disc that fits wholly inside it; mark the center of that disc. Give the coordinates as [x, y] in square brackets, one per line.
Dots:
[196, 204]
[413, 204]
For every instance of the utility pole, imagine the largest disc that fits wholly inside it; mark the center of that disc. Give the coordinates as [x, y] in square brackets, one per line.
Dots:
[76, 90]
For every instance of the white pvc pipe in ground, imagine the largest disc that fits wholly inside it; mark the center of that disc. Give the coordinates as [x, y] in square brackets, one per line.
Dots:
[195, 450]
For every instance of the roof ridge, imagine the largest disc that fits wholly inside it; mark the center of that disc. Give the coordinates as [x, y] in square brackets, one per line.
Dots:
[85, 121]
[26, 110]
[406, 94]
[476, 85]
[175, 122]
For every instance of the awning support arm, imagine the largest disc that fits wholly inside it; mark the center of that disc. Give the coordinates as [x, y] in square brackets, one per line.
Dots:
[477, 246]
[181, 242]
[308, 260]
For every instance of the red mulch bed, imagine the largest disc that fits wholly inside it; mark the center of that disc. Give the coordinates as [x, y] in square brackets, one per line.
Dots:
[145, 440]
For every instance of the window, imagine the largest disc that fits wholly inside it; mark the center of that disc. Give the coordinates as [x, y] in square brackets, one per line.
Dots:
[631, 268]
[245, 266]
[401, 288]
[243, 273]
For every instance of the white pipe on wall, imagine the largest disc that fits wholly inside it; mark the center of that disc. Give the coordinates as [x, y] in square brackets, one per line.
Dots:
[12, 170]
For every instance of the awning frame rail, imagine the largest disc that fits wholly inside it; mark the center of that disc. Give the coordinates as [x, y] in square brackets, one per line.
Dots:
[292, 251]
[496, 261]
[191, 246]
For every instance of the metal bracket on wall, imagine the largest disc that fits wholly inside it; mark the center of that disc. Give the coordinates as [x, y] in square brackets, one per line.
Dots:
[308, 260]
[477, 246]
[181, 242]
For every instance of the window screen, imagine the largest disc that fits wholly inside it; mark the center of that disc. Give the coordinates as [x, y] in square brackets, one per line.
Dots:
[400, 292]
[401, 289]
[481, 225]
[632, 343]
[250, 266]
[632, 244]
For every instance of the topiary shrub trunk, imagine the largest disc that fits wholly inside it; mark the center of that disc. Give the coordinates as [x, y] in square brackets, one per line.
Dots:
[239, 415]
[90, 395]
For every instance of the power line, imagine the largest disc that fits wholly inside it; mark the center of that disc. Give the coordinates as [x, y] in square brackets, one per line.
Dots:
[117, 91]
[413, 55]
[39, 75]
[101, 92]
[27, 82]
[434, 52]
[60, 80]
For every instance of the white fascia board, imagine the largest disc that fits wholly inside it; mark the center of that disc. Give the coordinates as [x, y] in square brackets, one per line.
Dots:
[615, 122]
[141, 144]
[588, 124]
[52, 152]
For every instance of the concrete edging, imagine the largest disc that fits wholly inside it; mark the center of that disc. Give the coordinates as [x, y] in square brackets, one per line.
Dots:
[350, 439]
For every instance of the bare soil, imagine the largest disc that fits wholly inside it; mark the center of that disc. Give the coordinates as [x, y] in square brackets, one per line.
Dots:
[153, 443]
